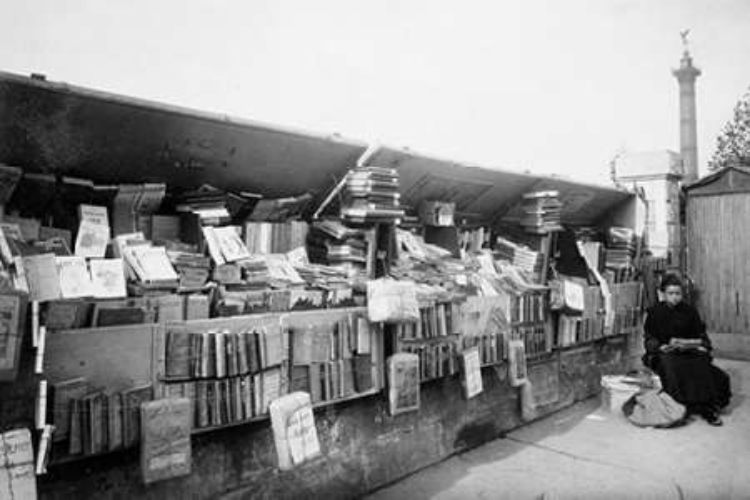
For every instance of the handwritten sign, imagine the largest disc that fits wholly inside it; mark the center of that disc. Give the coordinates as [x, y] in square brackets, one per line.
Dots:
[294, 429]
[403, 383]
[17, 479]
[472, 372]
[517, 363]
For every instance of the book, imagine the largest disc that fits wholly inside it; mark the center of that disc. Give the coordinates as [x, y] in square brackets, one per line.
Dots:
[178, 355]
[108, 278]
[472, 372]
[196, 306]
[293, 425]
[131, 414]
[42, 277]
[75, 437]
[12, 320]
[165, 439]
[92, 238]
[63, 395]
[9, 177]
[75, 280]
[17, 479]
[403, 383]
[114, 421]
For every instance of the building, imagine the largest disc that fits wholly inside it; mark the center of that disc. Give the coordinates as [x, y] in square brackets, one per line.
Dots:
[658, 176]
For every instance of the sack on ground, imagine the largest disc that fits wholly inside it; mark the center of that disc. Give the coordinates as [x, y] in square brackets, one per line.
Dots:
[654, 408]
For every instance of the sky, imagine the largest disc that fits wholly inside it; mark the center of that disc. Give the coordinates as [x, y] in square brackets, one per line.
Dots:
[552, 87]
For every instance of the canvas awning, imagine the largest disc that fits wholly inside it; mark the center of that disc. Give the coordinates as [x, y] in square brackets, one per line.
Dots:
[69, 130]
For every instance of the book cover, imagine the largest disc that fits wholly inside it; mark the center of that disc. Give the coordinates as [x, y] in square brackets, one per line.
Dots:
[293, 425]
[75, 280]
[131, 401]
[114, 421]
[472, 372]
[9, 177]
[12, 316]
[403, 383]
[17, 478]
[166, 450]
[42, 277]
[196, 306]
[108, 278]
[92, 239]
[75, 438]
[64, 394]
[179, 355]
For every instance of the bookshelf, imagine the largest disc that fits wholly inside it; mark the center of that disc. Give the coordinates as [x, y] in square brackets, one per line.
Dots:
[337, 382]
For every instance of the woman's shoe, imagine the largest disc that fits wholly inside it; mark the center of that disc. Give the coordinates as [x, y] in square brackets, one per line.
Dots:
[713, 419]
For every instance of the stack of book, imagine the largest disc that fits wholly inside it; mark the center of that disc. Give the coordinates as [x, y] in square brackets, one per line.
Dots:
[336, 245]
[270, 237]
[541, 212]
[621, 246]
[437, 359]
[437, 319]
[520, 256]
[230, 376]
[192, 268]
[491, 347]
[334, 361]
[371, 195]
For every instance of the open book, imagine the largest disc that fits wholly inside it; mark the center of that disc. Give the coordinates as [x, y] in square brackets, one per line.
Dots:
[683, 344]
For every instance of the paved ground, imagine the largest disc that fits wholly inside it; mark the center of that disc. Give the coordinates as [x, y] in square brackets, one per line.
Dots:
[585, 452]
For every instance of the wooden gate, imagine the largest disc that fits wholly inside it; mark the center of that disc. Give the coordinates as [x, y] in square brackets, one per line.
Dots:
[718, 247]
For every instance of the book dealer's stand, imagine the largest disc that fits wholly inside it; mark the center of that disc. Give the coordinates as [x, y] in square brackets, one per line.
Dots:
[227, 334]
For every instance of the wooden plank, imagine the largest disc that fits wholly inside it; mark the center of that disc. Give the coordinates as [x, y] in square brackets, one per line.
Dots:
[113, 358]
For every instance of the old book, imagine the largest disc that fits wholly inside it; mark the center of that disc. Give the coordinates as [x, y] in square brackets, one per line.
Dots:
[403, 383]
[294, 430]
[48, 233]
[315, 381]
[108, 278]
[202, 402]
[92, 239]
[169, 308]
[29, 226]
[114, 421]
[12, 316]
[220, 356]
[75, 280]
[362, 372]
[42, 277]
[178, 355]
[240, 343]
[64, 393]
[17, 479]
[131, 401]
[472, 372]
[75, 437]
[300, 379]
[55, 245]
[165, 439]
[99, 426]
[230, 243]
[196, 306]
[116, 315]
[246, 383]
[302, 345]
[271, 388]
[9, 177]
[253, 354]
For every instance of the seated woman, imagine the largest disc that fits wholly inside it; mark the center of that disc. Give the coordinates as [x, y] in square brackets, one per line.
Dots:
[679, 351]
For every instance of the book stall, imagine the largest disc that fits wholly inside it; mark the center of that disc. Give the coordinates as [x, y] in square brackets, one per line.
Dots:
[158, 314]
